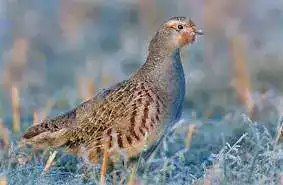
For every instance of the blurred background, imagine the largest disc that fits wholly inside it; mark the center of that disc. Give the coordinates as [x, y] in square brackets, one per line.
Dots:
[55, 54]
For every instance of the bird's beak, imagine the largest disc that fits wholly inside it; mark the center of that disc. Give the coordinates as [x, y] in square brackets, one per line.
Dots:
[199, 32]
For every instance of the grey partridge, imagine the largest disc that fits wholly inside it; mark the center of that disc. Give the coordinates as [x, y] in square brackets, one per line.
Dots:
[133, 113]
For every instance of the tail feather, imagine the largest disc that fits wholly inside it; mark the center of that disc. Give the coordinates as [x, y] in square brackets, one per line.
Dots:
[46, 134]
[51, 132]
[56, 132]
[50, 139]
[52, 125]
[34, 131]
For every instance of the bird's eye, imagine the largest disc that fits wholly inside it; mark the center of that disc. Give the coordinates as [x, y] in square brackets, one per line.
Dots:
[180, 27]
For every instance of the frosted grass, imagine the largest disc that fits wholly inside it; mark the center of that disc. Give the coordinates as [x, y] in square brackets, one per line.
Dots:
[234, 151]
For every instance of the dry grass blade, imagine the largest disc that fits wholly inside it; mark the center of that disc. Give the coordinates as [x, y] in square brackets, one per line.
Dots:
[90, 89]
[191, 131]
[4, 133]
[114, 179]
[35, 118]
[38, 117]
[132, 177]
[104, 163]
[15, 98]
[279, 133]
[50, 161]
[3, 180]
[242, 80]
[123, 180]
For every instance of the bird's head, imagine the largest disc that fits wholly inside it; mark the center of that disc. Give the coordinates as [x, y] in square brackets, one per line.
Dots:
[175, 33]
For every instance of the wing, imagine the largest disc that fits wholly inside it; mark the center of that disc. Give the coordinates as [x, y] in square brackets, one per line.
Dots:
[103, 93]
[48, 130]
[125, 117]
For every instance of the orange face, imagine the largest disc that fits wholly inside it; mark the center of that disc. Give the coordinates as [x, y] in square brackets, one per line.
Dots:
[187, 37]
[186, 31]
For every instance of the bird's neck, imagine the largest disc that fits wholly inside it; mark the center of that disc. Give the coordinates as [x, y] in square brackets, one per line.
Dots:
[165, 71]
